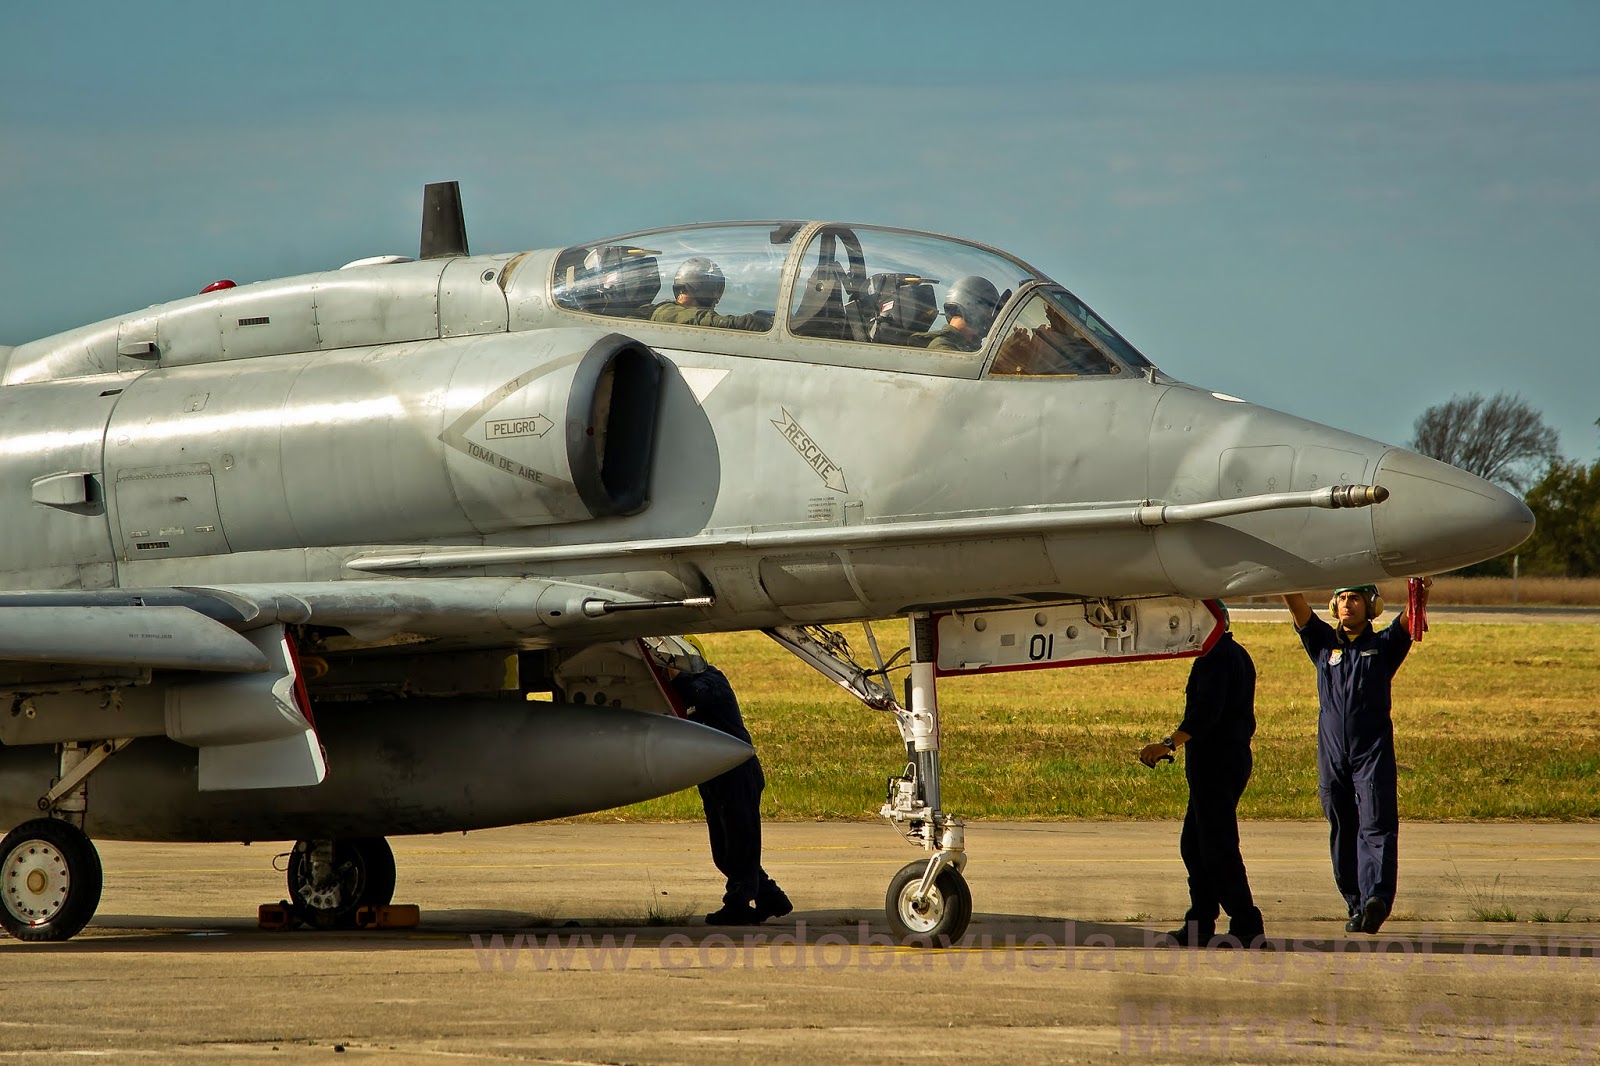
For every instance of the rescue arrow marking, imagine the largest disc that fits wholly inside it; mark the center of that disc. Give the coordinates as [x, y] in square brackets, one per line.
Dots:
[829, 471]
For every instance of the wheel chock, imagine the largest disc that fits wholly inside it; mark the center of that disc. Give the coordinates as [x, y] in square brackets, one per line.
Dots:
[389, 916]
[276, 917]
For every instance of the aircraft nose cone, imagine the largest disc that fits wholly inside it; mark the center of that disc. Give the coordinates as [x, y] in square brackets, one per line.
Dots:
[1439, 518]
[679, 754]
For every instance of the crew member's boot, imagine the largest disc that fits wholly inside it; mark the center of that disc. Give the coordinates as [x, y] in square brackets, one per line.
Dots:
[771, 901]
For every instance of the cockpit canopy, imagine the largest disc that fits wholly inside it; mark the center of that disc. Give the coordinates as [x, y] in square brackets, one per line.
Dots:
[847, 285]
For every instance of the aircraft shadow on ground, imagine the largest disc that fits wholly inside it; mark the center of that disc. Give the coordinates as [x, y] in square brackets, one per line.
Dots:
[454, 929]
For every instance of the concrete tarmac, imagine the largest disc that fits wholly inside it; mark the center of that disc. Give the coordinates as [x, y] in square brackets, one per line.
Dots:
[586, 943]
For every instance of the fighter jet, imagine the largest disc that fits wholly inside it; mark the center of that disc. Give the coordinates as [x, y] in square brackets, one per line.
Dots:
[287, 560]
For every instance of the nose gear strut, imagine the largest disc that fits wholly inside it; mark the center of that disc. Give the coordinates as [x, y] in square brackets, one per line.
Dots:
[928, 900]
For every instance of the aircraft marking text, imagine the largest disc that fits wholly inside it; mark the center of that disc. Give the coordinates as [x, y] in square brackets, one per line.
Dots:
[537, 426]
[829, 471]
[510, 466]
[455, 436]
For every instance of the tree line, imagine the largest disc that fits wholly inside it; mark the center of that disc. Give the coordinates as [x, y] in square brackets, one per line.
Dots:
[1505, 440]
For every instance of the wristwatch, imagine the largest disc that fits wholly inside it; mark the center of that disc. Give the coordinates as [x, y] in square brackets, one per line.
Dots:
[1166, 742]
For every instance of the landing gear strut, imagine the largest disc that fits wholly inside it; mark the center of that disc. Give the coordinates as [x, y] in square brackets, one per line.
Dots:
[928, 899]
[50, 875]
[330, 879]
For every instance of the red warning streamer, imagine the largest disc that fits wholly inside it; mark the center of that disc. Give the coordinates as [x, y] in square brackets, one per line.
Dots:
[1417, 608]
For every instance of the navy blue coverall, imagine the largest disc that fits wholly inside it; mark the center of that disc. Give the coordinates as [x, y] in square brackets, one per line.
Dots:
[732, 799]
[1219, 716]
[1356, 778]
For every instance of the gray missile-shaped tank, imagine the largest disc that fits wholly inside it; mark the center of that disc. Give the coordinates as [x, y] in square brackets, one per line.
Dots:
[404, 766]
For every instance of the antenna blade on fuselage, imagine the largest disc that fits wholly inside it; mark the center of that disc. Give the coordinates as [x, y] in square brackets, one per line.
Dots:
[444, 228]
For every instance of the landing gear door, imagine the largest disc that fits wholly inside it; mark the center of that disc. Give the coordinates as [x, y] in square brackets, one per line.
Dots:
[616, 673]
[1081, 633]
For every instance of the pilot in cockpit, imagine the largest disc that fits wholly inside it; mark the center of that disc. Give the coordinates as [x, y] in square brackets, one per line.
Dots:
[969, 310]
[696, 289]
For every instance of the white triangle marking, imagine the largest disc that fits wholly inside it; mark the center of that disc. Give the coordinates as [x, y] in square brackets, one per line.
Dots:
[701, 380]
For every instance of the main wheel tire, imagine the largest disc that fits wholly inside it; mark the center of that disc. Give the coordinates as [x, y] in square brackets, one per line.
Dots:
[941, 916]
[50, 880]
[363, 876]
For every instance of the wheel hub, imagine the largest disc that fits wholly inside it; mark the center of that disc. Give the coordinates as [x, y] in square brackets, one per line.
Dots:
[922, 915]
[34, 882]
[325, 897]
[329, 892]
[325, 900]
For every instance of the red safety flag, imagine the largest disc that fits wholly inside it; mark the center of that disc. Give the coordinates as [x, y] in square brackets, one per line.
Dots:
[1417, 608]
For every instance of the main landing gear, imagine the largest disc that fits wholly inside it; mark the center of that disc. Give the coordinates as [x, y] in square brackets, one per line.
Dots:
[329, 880]
[49, 880]
[50, 875]
[928, 900]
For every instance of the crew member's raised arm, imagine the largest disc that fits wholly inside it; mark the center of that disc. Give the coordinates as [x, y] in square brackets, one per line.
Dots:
[1299, 608]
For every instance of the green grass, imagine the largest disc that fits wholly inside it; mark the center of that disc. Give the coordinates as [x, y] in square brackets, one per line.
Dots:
[1486, 901]
[1491, 722]
[660, 914]
[1542, 916]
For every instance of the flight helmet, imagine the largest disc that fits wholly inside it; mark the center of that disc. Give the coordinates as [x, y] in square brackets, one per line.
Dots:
[684, 654]
[975, 299]
[1368, 593]
[600, 267]
[618, 279]
[701, 279]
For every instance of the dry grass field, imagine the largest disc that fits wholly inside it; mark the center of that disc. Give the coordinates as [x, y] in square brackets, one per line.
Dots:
[1492, 721]
[1531, 591]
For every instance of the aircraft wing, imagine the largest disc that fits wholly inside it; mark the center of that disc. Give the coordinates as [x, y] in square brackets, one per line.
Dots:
[235, 694]
[230, 682]
[200, 627]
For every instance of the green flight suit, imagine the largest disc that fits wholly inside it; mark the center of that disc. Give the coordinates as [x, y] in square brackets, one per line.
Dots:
[705, 316]
[948, 339]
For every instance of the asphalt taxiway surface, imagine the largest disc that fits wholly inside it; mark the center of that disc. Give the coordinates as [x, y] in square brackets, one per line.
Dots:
[586, 943]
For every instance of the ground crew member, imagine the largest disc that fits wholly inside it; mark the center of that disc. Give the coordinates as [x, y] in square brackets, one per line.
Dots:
[969, 310]
[732, 799]
[696, 288]
[1218, 721]
[1356, 776]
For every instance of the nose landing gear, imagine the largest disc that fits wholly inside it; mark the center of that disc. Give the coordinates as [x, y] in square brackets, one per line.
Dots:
[928, 900]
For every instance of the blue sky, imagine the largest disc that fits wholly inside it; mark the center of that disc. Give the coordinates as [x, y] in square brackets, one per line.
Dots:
[1348, 211]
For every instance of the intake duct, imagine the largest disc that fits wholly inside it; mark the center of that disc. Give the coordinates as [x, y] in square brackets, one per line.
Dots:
[611, 424]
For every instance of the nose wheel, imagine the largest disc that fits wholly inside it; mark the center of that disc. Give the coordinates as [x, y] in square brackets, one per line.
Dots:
[50, 880]
[939, 914]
